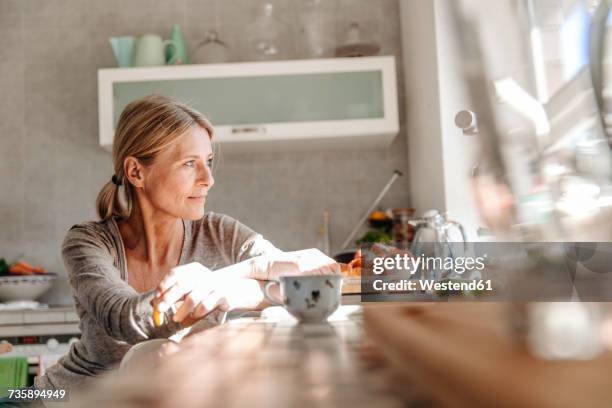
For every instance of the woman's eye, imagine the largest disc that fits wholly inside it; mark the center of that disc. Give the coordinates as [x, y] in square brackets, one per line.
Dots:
[190, 163]
[209, 162]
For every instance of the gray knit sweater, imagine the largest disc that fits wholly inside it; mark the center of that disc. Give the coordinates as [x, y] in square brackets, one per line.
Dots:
[113, 316]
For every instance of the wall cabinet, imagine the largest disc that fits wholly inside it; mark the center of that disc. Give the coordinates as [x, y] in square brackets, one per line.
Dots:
[263, 106]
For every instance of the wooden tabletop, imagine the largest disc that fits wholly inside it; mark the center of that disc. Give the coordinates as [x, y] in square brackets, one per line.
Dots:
[257, 362]
[454, 354]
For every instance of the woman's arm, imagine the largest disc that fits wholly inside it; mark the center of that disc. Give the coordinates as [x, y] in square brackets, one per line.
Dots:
[252, 256]
[251, 259]
[271, 265]
[232, 294]
[237, 286]
[97, 286]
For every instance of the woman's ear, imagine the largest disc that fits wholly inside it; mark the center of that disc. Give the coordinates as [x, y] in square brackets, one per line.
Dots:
[134, 171]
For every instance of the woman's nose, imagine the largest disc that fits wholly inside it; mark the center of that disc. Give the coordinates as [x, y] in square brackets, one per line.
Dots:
[206, 178]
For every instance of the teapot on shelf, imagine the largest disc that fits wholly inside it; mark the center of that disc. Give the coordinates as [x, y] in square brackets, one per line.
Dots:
[434, 238]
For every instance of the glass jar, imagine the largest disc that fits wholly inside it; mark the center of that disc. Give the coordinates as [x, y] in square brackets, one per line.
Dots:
[316, 28]
[268, 37]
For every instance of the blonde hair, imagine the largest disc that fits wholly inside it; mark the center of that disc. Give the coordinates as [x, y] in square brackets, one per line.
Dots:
[146, 126]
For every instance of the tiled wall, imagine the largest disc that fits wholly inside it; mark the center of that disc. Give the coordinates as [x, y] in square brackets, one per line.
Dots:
[51, 167]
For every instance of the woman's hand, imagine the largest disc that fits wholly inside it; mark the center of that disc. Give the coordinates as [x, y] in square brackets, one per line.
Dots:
[196, 291]
[304, 262]
[192, 288]
[314, 262]
[224, 295]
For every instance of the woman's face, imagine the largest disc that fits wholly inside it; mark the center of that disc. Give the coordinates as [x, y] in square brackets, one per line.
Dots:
[179, 179]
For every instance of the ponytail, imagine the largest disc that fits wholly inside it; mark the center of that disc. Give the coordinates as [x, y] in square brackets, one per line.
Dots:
[108, 203]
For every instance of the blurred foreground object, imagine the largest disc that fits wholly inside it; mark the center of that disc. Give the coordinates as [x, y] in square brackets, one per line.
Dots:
[545, 167]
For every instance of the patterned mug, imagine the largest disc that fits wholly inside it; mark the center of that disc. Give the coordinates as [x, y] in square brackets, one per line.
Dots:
[309, 298]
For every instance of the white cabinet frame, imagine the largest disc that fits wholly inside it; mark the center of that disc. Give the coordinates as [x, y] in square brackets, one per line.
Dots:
[351, 133]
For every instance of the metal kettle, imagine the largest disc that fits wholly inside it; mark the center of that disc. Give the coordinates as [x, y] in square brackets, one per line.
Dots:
[434, 239]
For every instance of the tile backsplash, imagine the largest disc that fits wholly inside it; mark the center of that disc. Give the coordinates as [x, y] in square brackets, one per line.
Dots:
[52, 166]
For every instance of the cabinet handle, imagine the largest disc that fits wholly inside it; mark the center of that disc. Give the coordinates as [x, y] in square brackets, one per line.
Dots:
[248, 129]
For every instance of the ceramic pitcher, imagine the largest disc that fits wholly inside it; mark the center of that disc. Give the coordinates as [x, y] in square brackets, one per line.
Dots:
[150, 50]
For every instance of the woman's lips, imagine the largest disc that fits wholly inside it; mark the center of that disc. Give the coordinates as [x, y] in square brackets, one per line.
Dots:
[199, 198]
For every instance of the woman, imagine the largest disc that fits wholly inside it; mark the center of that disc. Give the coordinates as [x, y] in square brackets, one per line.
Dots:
[151, 220]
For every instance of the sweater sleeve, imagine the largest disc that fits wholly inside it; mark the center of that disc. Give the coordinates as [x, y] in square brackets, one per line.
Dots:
[237, 241]
[96, 283]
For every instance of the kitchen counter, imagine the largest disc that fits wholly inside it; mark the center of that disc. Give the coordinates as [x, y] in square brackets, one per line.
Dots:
[57, 320]
[37, 322]
[267, 361]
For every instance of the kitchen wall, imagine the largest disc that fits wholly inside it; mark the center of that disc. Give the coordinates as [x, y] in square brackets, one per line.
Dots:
[440, 156]
[51, 167]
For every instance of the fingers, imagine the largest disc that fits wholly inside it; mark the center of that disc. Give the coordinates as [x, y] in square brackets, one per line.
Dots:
[324, 270]
[260, 267]
[315, 262]
[216, 301]
[271, 266]
[199, 311]
[304, 262]
[309, 261]
[331, 268]
[170, 297]
[180, 281]
[189, 320]
[280, 267]
[287, 267]
[198, 304]
[193, 284]
[188, 306]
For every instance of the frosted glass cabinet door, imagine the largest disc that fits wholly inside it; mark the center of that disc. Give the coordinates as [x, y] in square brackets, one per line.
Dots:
[268, 99]
[327, 103]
